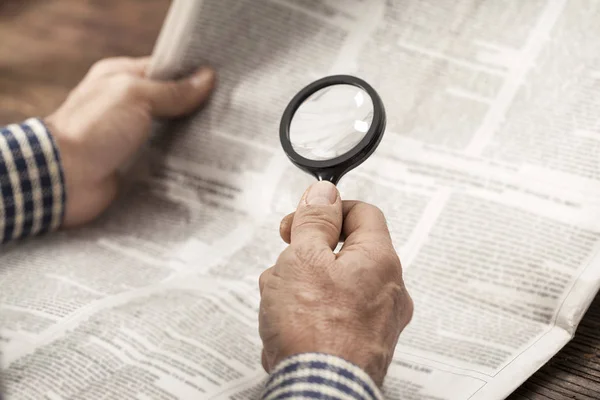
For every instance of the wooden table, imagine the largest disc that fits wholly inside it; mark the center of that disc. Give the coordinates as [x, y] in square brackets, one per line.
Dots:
[46, 46]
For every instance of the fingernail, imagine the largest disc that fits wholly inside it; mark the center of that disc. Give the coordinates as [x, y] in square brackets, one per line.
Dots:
[202, 77]
[322, 193]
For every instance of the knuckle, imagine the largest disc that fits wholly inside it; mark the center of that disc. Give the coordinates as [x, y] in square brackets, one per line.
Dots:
[383, 263]
[178, 90]
[315, 220]
[262, 279]
[308, 255]
[105, 65]
[392, 265]
[383, 256]
[123, 86]
[265, 275]
[410, 308]
[100, 66]
[403, 304]
[269, 280]
[370, 209]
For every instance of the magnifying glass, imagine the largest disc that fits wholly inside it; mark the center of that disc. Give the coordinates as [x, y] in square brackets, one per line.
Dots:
[332, 126]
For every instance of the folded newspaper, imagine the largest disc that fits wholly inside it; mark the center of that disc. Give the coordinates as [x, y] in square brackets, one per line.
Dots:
[489, 174]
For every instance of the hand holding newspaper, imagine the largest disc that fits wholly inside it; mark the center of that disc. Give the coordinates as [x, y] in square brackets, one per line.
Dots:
[488, 173]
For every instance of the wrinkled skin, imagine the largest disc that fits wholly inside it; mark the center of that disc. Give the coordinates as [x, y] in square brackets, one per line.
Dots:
[352, 304]
[106, 119]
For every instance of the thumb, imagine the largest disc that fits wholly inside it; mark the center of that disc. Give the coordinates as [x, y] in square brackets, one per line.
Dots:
[318, 219]
[170, 99]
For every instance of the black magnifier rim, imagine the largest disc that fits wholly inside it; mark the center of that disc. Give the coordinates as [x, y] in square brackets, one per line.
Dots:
[354, 156]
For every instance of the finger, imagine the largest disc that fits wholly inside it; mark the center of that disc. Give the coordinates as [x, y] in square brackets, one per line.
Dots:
[318, 218]
[177, 98]
[364, 225]
[262, 279]
[116, 65]
[285, 228]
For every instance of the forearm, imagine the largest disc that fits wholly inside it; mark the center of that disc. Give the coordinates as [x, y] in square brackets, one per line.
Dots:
[32, 195]
[319, 376]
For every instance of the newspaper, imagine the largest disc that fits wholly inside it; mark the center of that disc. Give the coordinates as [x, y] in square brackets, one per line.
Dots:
[488, 174]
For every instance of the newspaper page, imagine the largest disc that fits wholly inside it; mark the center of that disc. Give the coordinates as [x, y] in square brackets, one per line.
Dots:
[491, 209]
[488, 174]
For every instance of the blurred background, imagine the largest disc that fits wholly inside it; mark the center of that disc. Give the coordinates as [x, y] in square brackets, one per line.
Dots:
[47, 46]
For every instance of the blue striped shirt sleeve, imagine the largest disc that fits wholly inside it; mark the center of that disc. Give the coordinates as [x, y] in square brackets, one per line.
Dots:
[32, 188]
[319, 376]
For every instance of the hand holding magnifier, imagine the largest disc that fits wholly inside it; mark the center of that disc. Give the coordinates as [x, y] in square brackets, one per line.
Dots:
[332, 126]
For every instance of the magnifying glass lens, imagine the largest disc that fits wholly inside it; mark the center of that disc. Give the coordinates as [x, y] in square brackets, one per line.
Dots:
[331, 122]
[332, 126]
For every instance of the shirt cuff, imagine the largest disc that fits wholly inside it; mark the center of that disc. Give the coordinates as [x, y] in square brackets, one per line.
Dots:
[319, 376]
[32, 189]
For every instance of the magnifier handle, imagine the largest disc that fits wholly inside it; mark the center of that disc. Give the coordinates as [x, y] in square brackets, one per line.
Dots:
[331, 175]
